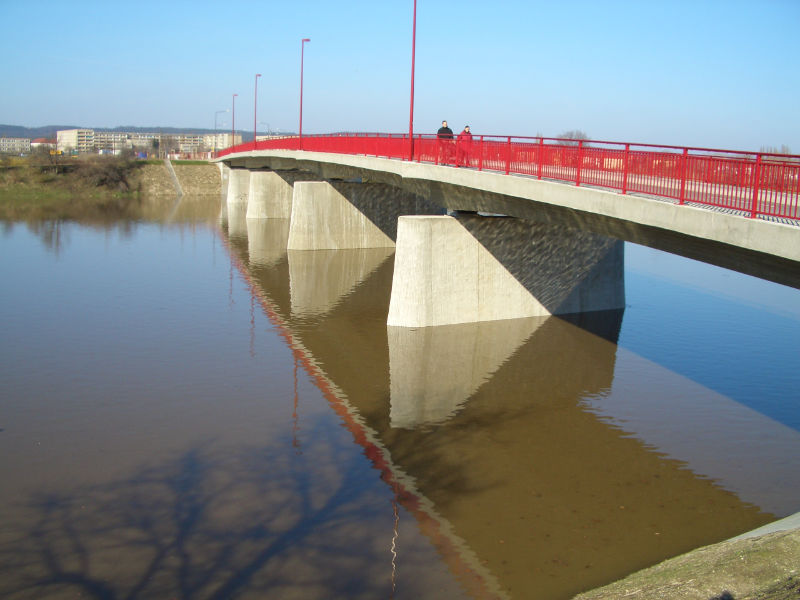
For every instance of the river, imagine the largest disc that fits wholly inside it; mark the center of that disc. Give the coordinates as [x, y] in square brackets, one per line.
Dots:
[190, 411]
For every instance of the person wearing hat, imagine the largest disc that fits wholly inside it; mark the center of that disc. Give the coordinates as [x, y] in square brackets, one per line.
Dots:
[464, 147]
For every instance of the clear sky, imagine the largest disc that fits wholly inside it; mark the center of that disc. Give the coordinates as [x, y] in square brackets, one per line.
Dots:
[710, 73]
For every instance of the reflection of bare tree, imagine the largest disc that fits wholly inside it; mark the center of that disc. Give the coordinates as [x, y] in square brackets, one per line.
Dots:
[50, 232]
[209, 524]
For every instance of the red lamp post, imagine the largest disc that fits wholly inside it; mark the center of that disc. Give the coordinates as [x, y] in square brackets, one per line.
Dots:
[302, 51]
[233, 120]
[411, 115]
[255, 110]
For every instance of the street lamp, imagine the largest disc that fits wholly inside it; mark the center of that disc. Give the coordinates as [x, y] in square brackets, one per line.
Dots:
[255, 110]
[302, 50]
[233, 120]
[411, 115]
[215, 125]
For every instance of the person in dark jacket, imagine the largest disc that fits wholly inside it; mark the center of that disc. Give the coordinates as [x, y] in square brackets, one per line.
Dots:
[464, 147]
[445, 143]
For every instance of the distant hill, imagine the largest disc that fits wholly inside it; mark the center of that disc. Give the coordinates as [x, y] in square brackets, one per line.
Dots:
[49, 131]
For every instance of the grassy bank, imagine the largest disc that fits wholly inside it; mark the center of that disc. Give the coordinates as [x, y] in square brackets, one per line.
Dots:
[44, 187]
[766, 567]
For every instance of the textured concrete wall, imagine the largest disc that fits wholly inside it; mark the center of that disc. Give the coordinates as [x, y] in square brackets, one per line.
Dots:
[450, 270]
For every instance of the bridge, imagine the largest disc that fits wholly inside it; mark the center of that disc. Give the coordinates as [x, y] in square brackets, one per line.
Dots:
[566, 206]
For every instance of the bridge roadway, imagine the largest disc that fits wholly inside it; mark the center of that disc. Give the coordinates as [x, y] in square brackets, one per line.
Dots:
[765, 249]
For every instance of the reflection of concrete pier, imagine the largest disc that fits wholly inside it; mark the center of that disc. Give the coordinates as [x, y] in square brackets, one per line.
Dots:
[435, 370]
[266, 241]
[320, 279]
[509, 412]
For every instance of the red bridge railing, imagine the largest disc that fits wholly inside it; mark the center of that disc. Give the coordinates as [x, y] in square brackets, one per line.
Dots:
[756, 183]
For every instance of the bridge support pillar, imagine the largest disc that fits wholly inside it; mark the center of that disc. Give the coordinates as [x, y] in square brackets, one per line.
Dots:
[271, 192]
[340, 215]
[224, 173]
[238, 186]
[461, 270]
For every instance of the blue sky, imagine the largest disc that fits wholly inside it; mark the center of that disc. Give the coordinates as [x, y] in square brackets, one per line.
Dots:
[707, 73]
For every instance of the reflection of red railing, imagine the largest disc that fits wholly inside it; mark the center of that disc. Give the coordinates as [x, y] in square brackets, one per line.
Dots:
[759, 184]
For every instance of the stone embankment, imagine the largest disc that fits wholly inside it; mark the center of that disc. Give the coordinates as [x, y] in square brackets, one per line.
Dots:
[198, 179]
[195, 179]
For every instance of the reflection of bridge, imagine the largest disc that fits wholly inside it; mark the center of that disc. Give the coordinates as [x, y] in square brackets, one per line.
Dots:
[476, 444]
[585, 218]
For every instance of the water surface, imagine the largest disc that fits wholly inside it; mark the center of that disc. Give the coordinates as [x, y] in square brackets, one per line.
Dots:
[189, 410]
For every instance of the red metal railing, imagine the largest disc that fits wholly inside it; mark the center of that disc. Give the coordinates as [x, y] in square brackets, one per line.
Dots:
[757, 183]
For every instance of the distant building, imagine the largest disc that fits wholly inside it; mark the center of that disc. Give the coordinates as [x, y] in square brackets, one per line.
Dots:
[10, 145]
[218, 141]
[39, 142]
[75, 140]
[89, 140]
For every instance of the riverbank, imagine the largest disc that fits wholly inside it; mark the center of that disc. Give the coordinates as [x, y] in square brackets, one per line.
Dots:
[763, 567]
[96, 189]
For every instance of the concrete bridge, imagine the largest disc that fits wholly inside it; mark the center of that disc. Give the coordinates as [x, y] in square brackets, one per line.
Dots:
[480, 246]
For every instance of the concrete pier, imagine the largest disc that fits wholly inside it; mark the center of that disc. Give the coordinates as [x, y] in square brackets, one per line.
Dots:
[469, 269]
[340, 215]
[270, 193]
[238, 186]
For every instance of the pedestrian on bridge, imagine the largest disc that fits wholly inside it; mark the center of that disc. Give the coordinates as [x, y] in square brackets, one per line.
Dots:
[464, 147]
[445, 143]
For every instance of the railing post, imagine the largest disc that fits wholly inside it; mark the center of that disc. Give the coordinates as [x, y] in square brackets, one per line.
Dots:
[684, 171]
[580, 164]
[625, 158]
[508, 156]
[540, 158]
[480, 160]
[756, 186]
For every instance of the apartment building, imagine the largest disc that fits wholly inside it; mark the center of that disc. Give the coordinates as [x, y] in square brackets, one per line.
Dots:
[78, 140]
[88, 140]
[9, 145]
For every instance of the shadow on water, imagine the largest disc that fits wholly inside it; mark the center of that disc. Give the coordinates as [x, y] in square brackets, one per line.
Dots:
[210, 523]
